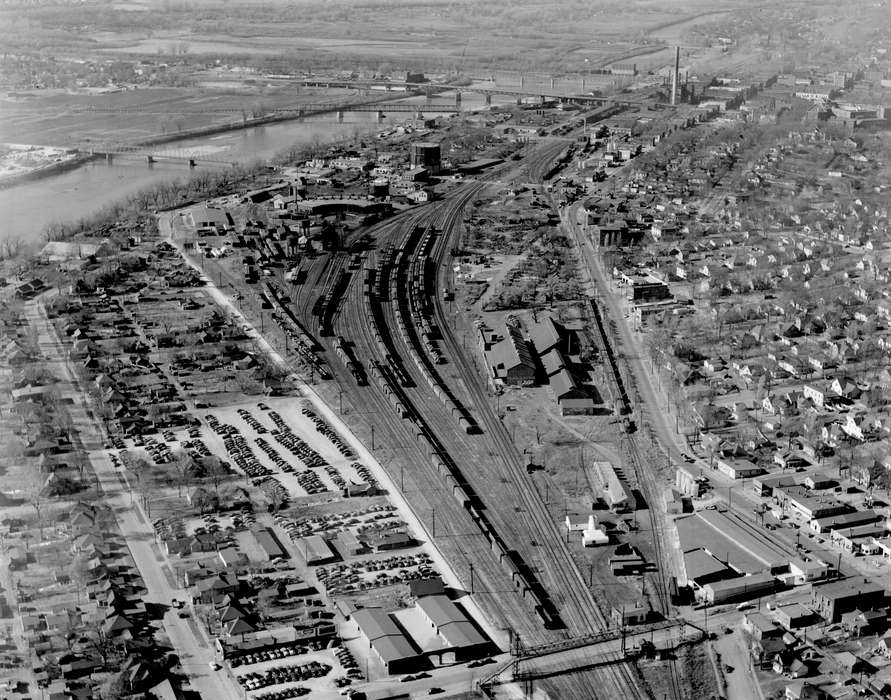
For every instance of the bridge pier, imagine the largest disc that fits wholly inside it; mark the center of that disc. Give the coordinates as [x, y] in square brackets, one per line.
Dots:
[340, 116]
[458, 100]
[380, 116]
[192, 163]
[109, 158]
[488, 99]
[522, 80]
[150, 160]
[582, 89]
[553, 83]
[519, 101]
[419, 115]
[429, 93]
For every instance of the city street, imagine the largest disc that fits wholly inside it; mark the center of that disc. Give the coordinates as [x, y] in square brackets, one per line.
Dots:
[194, 651]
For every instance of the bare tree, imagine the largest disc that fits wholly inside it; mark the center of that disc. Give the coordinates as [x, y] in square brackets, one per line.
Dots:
[185, 469]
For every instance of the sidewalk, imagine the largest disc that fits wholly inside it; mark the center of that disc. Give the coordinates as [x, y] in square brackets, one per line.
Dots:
[194, 652]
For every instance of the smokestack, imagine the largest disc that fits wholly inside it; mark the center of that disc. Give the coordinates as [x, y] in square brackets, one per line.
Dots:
[674, 75]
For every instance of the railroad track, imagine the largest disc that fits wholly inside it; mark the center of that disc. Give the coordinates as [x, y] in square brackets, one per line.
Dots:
[587, 614]
[465, 533]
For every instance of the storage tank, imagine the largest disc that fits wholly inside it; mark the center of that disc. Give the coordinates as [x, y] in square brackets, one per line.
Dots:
[425, 154]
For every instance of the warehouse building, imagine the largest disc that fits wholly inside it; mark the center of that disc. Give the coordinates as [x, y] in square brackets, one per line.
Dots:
[390, 645]
[844, 521]
[703, 568]
[509, 359]
[738, 589]
[572, 399]
[454, 628]
[616, 495]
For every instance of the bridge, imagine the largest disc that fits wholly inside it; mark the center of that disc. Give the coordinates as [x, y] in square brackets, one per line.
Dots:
[430, 89]
[299, 110]
[193, 157]
[601, 649]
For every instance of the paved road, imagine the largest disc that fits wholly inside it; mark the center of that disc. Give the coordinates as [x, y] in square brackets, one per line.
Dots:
[192, 648]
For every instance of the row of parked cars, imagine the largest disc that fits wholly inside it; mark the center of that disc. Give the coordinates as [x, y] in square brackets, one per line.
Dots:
[329, 432]
[279, 675]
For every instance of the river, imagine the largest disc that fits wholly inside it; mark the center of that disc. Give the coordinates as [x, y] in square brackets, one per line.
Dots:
[26, 209]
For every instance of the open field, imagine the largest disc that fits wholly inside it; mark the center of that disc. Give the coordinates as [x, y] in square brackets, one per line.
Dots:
[435, 36]
[62, 118]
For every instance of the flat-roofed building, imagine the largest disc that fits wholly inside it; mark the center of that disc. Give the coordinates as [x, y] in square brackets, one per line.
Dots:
[703, 568]
[761, 626]
[858, 539]
[386, 639]
[806, 506]
[738, 468]
[738, 589]
[844, 521]
[830, 601]
[793, 615]
[765, 484]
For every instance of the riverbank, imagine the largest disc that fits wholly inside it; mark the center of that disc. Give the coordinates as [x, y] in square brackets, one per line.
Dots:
[83, 157]
[55, 163]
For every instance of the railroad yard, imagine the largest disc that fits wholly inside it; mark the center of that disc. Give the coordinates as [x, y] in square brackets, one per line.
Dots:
[552, 399]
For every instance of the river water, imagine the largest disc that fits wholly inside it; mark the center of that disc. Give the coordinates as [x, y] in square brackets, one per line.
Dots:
[26, 209]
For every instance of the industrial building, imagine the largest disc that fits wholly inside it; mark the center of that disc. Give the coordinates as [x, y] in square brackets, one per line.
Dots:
[508, 359]
[425, 154]
[572, 399]
[738, 589]
[690, 481]
[454, 628]
[616, 495]
[390, 645]
[703, 568]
